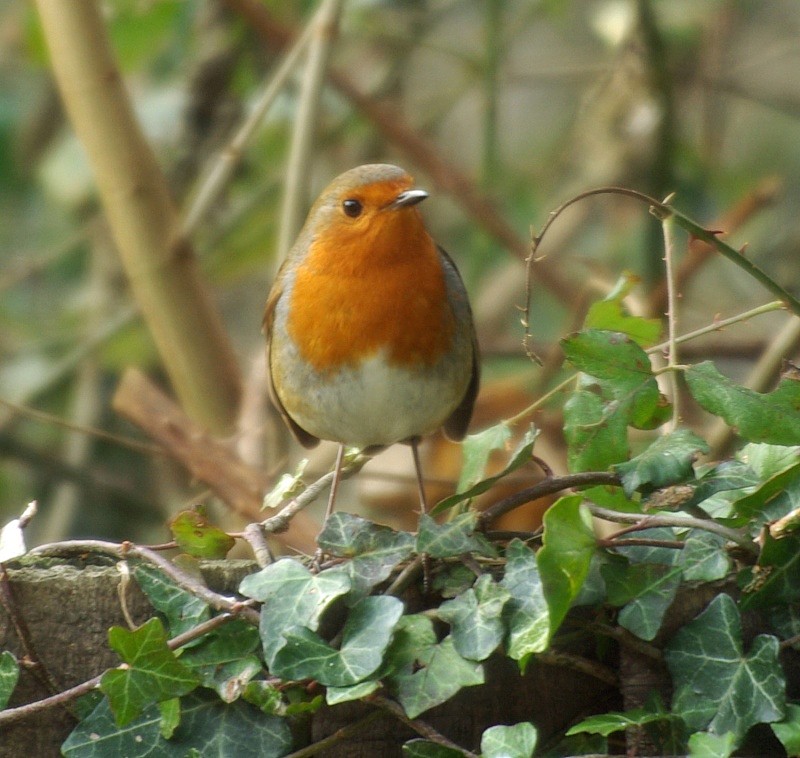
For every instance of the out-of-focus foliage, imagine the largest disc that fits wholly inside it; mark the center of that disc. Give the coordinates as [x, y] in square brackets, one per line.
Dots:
[532, 101]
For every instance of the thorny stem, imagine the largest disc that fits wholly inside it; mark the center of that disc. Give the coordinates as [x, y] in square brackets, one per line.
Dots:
[661, 211]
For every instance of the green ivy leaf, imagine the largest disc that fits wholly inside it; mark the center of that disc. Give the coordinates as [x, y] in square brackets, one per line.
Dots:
[706, 745]
[374, 550]
[453, 538]
[207, 726]
[428, 749]
[719, 688]
[183, 610]
[475, 620]
[727, 476]
[596, 437]
[153, 672]
[788, 730]
[437, 673]
[768, 460]
[761, 501]
[365, 637]
[198, 537]
[704, 557]
[292, 597]
[517, 741]
[568, 544]
[776, 578]
[264, 696]
[476, 450]
[772, 417]
[668, 460]
[9, 674]
[608, 723]
[224, 659]
[527, 614]
[608, 315]
[413, 633]
[170, 711]
[472, 482]
[645, 590]
[336, 695]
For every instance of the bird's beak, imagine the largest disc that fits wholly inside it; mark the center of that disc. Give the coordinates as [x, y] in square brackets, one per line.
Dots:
[409, 197]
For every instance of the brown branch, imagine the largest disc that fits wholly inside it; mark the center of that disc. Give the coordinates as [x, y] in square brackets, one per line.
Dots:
[207, 459]
[541, 489]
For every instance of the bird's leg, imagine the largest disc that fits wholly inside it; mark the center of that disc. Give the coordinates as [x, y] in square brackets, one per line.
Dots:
[337, 475]
[423, 509]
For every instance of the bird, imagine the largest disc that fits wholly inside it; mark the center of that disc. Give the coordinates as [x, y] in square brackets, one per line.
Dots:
[370, 334]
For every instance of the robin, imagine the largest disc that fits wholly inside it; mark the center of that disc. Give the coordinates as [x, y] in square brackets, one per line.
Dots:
[370, 339]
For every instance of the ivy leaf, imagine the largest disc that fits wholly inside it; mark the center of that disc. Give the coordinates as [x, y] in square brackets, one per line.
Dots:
[476, 450]
[224, 659]
[568, 544]
[208, 727]
[623, 371]
[754, 505]
[428, 749]
[608, 723]
[645, 590]
[474, 618]
[374, 550]
[668, 460]
[705, 745]
[772, 417]
[198, 537]
[292, 597]
[153, 672]
[517, 741]
[437, 673]
[170, 711]
[336, 695]
[719, 688]
[776, 578]
[596, 437]
[727, 476]
[365, 637]
[474, 485]
[9, 674]
[453, 538]
[610, 315]
[183, 610]
[788, 730]
[704, 557]
[526, 613]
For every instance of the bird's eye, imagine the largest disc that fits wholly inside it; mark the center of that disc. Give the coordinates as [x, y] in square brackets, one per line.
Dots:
[352, 208]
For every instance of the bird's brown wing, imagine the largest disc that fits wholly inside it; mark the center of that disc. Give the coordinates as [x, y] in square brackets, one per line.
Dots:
[455, 427]
[301, 435]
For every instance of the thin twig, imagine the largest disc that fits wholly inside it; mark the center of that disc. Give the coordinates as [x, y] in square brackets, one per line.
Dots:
[13, 715]
[225, 163]
[546, 487]
[324, 27]
[420, 727]
[577, 663]
[340, 735]
[280, 521]
[680, 522]
[184, 580]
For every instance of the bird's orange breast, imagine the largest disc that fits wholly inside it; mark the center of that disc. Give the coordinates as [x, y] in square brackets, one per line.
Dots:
[356, 295]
